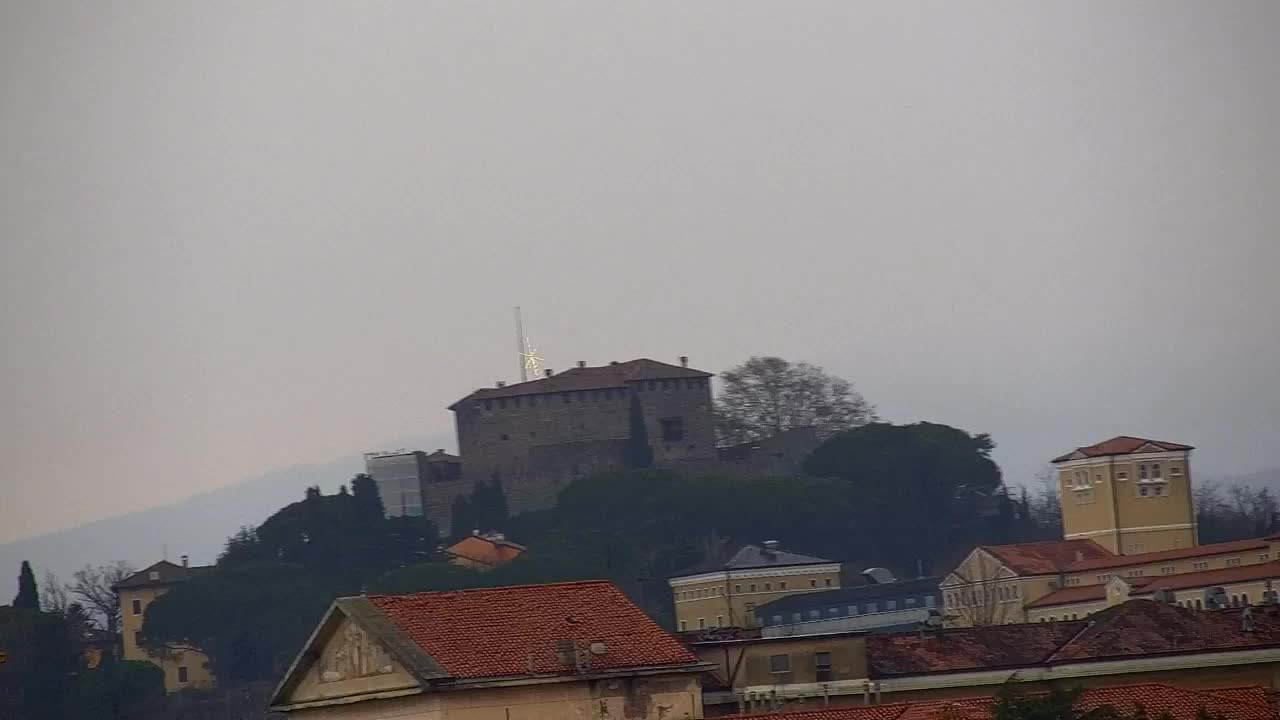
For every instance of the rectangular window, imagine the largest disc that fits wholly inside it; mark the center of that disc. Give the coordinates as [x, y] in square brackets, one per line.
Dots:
[1122, 476]
[720, 620]
[1175, 471]
[1264, 557]
[768, 586]
[782, 585]
[871, 607]
[822, 666]
[1144, 491]
[737, 588]
[814, 615]
[779, 663]
[182, 673]
[1202, 565]
[1168, 570]
[827, 582]
[672, 429]
[891, 605]
[154, 574]
[929, 601]
[702, 623]
[1137, 572]
[796, 617]
[1142, 472]
[137, 607]
[753, 587]
[833, 611]
[852, 609]
[777, 619]
[1232, 562]
[1155, 471]
[813, 583]
[683, 626]
[909, 602]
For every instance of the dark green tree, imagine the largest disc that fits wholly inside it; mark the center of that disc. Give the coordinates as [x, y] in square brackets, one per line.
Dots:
[638, 453]
[41, 661]
[368, 499]
[935, 478]
[28, 593]
[249, 620]
[462, 518]
[115, 690]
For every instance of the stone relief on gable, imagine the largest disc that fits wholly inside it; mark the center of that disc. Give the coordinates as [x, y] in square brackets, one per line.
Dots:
[353, 654]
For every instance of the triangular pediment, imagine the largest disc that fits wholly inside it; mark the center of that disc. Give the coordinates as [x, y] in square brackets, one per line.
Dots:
[1150, 448]
[350, 655]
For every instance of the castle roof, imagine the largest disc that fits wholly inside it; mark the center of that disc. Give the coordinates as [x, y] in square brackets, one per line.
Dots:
[1121, 445]
[1047, 557]
[613, 375]
[752, 557]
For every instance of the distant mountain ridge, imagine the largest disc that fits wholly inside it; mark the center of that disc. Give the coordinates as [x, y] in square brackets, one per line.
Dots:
[197, 526]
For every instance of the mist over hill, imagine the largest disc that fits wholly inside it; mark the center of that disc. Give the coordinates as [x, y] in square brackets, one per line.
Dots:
[196, 526]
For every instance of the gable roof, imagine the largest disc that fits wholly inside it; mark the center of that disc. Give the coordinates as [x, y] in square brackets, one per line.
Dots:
[1220, 576]
[514, 631]
[167, 574]
[1154, 699]
[1137, 628]
[1115, 561]
[1121, 445]
[614, 375]
[1047, 557]
[485, 549]
[750, 557]
[1071, 596]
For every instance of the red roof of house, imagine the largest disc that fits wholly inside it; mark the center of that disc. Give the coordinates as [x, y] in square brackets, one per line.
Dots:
[1048, 557]
[485, 550]
[1137, 628]
[506, 631]
[1221, 576]
[1155, 699]
[1072, 595]
[1114, 561]
[590, 378]
[1122, 445]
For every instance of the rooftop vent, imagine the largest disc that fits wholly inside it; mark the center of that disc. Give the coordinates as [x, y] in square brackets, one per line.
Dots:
[185, 561]
[501, 383]
[549, 372]
[770, 546]
[684, 361]
[582, 363]
[878, 576]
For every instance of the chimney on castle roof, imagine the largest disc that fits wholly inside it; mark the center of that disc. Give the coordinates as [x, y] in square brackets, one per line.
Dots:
[185, 561]
[549, 372]
[582, 363]
[684, 361]
[613, 362]
[502, 383]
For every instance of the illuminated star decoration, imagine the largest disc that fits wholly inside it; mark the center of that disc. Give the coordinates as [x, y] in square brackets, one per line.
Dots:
[532, 360]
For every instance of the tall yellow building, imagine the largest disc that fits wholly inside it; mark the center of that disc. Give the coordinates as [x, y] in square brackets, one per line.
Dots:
[183, 667]
[1130, 495]
[727, 595]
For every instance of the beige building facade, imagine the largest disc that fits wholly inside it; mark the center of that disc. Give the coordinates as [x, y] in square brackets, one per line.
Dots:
[728, 595]
[184, 668]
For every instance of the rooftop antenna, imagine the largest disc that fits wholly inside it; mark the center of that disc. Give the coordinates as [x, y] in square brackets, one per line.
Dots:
[530, 361]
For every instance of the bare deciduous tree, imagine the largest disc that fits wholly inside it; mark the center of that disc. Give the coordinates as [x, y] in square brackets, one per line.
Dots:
[768, 395]
[53, 595]
[95, 587]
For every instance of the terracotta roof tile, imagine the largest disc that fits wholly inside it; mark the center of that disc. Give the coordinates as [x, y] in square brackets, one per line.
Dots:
[990, 647]
[1145, 628]
[485, 550]
[1048, 557]
[511, 631]
[590, 378]
[1071, 596]
[1115, 561]
[1154, 699]
[1222, 576]
[1121, 445]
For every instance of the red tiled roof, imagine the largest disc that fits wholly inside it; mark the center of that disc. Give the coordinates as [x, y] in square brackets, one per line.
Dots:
[1221, 576]
[485, 550]
[1121, 445]
[1072, 595]
[1145, 628]
[1137, 628]
[1115, 561]
[590, 378]
[990, 647]
[506, 631]
[1048, 557]
[1154, 699]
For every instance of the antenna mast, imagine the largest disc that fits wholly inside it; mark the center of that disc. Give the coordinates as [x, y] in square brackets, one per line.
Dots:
[520, 346]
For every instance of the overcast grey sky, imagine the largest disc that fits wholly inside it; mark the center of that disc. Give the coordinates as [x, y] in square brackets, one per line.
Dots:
[237, 236]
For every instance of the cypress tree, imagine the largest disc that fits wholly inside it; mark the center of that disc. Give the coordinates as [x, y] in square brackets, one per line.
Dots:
[638, 454]
[28, 594]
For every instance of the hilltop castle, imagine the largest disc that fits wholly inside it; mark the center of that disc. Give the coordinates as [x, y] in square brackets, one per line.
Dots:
[535, 437]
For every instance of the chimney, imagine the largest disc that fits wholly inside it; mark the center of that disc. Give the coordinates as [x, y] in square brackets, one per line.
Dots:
[549, 372]
[684, 361]
[582, 363]
[439, 451]
[613, 362]
[185, 561]
[770, 546]
[501, 383]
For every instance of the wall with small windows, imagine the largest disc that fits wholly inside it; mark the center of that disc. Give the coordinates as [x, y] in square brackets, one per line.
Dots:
[783, 661]
[1129, 504]
[730, 600]
[182, 669]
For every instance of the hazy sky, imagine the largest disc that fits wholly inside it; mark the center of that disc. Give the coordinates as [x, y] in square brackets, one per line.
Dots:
[235, 236]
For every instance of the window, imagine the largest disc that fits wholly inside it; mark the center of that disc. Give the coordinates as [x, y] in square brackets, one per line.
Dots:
[1168, 570]
[752, 587]
[154, 575]
[891, 605]
[1175, 471]
[872, 607]
[737, 588]
[506, 436]
[1073, 581]
[813, 583]
[1143, 491]
[1244, 598]
[1232, 562]
[182, 673]
[1155, 471]
[1199, 605]
[702, 623]
[672, 429]
[779, 663]
[1053, 618]
[1122, 476]
[683, 626]
[814, 615]
[777, 620]
[1142, 472]
[768, 586]
[1136, 572]
[852, 609]
[1202, 565]
[929, 601]
[566, 398]
[909, 602]
[720, 620]
[137, 638]
[533, 401]
[822, 666]
[1083, 497]
[796, 617]
[782, 585]
[137, 607]
[1264, 557]
[827, 582]
[1104, 577]
[833, 611]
